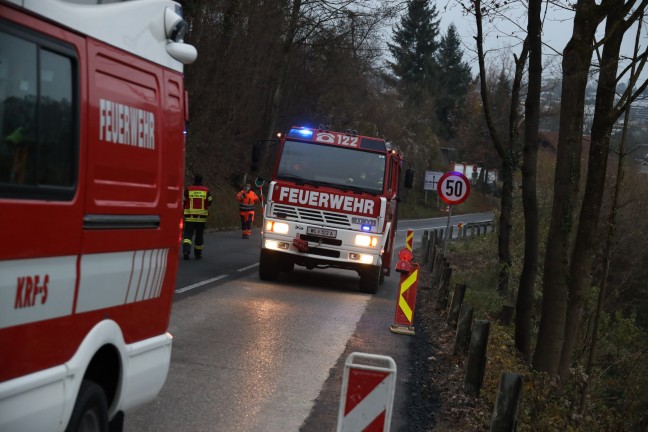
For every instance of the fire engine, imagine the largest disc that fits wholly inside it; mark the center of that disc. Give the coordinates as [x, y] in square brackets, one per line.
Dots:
[92, 121]
[333, 202]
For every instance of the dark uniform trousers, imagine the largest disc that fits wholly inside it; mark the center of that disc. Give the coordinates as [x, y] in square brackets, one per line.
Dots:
[191, 228]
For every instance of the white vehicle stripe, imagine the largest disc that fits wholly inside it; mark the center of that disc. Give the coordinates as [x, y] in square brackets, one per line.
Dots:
[38, 289]
[20, 304]
[164, 258]
[118, 278]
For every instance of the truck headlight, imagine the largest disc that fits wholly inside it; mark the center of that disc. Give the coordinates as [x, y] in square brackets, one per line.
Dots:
[277, 227]
[366, 241]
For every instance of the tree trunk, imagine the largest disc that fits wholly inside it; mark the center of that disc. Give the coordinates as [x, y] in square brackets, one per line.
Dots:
[510, 165]
[504, 232]
[524, 303]
[587, 234]
[276, 92]
[576, 62]
[611, 224]
[507, 154]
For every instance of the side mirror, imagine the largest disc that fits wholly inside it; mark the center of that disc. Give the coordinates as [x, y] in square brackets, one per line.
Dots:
[409, 178]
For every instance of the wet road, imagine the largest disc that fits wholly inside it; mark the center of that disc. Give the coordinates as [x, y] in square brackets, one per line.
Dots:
[250, 355]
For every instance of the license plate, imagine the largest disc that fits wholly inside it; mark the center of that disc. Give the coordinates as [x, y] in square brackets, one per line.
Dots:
[321, 232]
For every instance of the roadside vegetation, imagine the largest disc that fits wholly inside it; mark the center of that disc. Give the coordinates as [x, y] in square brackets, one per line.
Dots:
[613, 398]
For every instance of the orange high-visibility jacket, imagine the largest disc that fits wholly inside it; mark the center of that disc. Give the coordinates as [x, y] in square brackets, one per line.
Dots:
[246, 200]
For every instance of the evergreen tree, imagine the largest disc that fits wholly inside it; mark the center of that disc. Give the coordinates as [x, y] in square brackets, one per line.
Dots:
[415, 43]
[454, 78]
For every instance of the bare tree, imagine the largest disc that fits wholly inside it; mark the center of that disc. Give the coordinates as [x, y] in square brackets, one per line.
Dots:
[507, 151]
[524, 303]
[312, 19]
[604, 118]
[576, 63]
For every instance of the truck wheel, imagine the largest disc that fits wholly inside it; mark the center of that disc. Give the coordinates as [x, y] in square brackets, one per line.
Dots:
[268, 266]
[369, 280]
[90, 413]
[286, 265]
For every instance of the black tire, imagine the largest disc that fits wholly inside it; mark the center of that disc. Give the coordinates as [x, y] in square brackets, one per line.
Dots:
[369, 280]
[268, 266]
[286, 265]
[90, 413]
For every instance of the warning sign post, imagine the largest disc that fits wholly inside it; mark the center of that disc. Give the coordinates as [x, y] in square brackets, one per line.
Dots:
[453, 188]
[368, 387]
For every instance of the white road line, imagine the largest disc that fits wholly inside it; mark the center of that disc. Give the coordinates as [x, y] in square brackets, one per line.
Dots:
[196, 285]
[248, 267]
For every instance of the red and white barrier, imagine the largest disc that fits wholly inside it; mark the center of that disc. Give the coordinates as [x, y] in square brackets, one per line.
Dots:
[367, 393]
[406, 302]
[407, 287]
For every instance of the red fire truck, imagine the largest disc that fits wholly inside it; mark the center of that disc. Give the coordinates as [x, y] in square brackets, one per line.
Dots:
[92, 118]
[332, 202]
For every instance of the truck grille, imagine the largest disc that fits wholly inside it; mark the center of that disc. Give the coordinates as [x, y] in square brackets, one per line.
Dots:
[324, 252]
[320, 240]
[308, 215]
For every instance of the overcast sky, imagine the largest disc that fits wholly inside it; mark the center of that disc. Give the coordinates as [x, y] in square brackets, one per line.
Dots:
[503, 36]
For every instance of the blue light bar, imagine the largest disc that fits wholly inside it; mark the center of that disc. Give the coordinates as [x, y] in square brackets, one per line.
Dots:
[366, 227]
[301, 133]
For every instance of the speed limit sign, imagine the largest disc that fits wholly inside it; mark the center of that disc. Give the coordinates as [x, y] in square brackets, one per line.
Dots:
[453, 188]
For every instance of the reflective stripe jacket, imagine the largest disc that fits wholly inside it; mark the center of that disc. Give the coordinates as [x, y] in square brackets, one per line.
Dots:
[196, 203]
[246, 200]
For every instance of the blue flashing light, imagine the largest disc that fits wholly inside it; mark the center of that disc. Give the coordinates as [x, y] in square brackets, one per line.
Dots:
[366, 228]
[301, 133]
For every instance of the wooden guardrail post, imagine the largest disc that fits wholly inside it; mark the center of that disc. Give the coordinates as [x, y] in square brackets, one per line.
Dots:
[429, 251]
[434, 262]
[462, 338]
[508, 401]
[438, 267]
[455, 304]
[476, 362]
[431, 243]
[424, 242]
[442, 296]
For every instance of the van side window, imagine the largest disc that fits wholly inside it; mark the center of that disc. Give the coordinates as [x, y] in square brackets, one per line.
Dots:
[38, 117]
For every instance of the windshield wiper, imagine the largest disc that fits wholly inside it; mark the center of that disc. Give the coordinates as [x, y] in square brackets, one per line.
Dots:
[291, 177]
[354, 189]
[358, 189]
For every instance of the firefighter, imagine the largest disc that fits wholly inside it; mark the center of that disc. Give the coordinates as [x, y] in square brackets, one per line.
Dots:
[197, 200]
[247, 200]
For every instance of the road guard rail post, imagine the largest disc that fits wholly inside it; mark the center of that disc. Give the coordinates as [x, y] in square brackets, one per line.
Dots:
[367, 393]
[407, 287]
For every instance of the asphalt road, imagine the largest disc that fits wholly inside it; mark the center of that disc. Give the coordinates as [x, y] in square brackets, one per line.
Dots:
[249, 355]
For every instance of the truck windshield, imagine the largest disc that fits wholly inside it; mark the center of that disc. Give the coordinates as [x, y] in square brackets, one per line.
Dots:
[341, 167]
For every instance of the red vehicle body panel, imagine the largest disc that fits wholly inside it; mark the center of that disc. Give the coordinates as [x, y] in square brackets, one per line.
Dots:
[112, 179]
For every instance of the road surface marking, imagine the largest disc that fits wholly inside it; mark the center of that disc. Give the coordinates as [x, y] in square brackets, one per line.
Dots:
[248, 267]
[197, 284]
